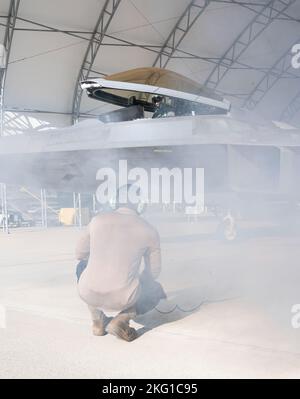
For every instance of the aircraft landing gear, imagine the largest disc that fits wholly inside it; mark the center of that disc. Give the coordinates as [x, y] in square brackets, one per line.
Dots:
[227, 229]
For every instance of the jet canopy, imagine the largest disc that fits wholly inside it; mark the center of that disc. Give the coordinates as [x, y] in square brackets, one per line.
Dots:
[158, 91]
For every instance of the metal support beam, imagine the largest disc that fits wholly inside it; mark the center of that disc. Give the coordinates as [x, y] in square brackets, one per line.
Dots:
[78, 209]
[44, 208]
[179, 32]
[104, 20]
[21, 111]
[82, 35]
[75, 208]
[263, 18]
[4, 210]
[118, 42]
[291, 110]
[276, 72]
[94, 204]
[8, 36]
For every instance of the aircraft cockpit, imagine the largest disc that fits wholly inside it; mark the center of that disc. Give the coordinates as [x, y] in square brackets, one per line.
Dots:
[153, 92]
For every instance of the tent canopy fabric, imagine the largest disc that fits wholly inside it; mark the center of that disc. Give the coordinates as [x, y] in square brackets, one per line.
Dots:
[51, 39]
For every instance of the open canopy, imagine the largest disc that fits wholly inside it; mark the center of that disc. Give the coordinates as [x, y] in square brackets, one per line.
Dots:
[158, 90]
[164, 78]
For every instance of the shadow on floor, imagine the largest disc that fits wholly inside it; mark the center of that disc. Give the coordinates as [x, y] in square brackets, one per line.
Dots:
[179, 305]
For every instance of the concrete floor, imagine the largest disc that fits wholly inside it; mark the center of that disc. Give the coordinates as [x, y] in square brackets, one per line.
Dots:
[234, 319]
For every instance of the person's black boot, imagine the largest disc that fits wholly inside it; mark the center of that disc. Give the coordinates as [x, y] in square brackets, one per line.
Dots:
[119, 327]
[100, 322]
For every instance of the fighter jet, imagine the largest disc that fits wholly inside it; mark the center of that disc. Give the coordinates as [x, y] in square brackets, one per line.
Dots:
[163, 119]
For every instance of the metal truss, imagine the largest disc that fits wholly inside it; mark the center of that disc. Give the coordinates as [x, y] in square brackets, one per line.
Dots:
[104, 20]
[292, 109]
[279, 70]
[250, 33]
[118, 42]
[180, 30]
[170, 49]
[8, 36]
[158, 50]
[4, 210]
[20, 122]
[77, 205]
[193, 12]
[44, 208]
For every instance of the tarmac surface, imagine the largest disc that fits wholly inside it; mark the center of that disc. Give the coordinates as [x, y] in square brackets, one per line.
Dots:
[228, 313]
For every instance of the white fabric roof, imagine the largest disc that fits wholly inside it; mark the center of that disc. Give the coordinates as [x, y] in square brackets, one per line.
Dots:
[43, 66]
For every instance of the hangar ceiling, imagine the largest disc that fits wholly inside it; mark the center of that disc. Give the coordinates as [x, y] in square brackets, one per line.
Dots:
[240, 48]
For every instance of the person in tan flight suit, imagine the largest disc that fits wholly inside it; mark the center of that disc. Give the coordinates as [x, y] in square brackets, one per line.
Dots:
[112, 279]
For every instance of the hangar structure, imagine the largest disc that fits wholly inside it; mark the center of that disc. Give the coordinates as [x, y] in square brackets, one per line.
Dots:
[248, 62]
[206, 87]
[50, 48]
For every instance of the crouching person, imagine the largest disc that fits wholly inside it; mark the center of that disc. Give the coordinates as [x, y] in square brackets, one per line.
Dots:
[109, 274]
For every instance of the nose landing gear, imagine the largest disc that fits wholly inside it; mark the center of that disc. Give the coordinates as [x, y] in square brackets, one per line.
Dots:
[229, 227]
